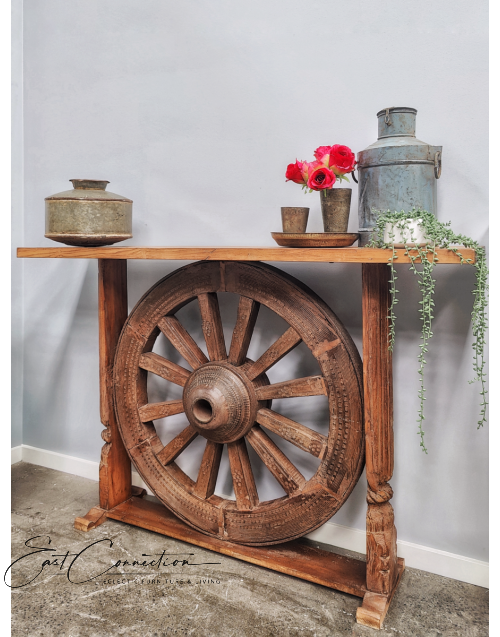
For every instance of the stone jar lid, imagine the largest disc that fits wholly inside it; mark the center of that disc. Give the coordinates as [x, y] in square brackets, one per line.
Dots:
[89, 190]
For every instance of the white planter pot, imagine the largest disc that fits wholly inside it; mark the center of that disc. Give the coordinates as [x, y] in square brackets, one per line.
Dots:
[402, 237]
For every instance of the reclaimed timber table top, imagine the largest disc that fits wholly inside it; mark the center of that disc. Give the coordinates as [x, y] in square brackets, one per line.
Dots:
[211, 253]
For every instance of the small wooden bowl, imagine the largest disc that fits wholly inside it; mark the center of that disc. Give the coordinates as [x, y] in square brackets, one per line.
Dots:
[315, 239]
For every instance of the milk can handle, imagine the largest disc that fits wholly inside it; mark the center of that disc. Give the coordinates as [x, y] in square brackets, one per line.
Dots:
[437, 164]
[352, 174]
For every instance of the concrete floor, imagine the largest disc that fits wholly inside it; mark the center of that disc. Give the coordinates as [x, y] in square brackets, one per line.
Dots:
[229, 599]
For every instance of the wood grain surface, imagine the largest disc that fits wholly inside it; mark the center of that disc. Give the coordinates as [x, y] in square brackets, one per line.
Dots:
[342, 573]
[382, 566]
[332, 255]
[166, 369]
[302, 437]
[248, 311]
[115, 474]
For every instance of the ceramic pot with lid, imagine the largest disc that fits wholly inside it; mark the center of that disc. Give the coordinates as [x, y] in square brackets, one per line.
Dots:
[88, 215]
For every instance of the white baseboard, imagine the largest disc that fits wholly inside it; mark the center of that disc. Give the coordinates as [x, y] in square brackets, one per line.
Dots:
[458, 567]
[60, 462]
[424, 558]
[16, 454]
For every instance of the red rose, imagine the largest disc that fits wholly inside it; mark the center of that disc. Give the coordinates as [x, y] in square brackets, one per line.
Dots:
[320, 152]
[294, 172]
[321, 178]
[308, 167]
[342, 159]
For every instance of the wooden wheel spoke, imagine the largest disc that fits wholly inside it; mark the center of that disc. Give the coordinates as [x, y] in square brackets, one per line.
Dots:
[182, 478]
[209, 469]
[286, 342]
[154, 411]
[182, 341]
[211, 325]
[243, 480]
[275, 460]
[177, 445]
[166, 369]
[248, 309]
[309, 386]
[300, 436]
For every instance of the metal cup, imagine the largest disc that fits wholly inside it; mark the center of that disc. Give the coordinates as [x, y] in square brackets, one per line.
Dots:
[335, 208]
[294, 220]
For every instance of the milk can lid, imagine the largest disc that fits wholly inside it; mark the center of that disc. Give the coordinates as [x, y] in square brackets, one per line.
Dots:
[397, 109]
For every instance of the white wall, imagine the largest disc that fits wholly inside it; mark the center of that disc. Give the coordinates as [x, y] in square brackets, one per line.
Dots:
[17, 223]
[193, 110]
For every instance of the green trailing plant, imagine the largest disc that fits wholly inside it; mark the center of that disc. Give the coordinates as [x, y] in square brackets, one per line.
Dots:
[423, 257]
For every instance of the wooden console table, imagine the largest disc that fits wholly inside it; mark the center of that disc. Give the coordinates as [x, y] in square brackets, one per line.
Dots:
[375, 581]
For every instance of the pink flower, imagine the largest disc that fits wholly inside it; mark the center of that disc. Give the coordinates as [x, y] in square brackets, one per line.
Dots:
[320, 152]
[320, 177]
[308, 167]
[341, 159]
[295, 172]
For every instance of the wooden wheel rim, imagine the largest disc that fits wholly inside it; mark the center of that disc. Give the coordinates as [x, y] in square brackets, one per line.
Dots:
[308, 503]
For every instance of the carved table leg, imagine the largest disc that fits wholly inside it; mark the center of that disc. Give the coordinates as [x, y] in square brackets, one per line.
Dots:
[115, 475]
[383, 569]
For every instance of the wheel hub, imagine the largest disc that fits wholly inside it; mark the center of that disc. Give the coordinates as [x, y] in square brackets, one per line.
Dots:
[220, 402]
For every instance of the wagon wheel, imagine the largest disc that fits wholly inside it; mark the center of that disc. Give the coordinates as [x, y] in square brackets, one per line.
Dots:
[227, 401]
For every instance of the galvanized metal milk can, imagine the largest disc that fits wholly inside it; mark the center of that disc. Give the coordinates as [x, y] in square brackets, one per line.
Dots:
[397, 172]
[88, 215]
